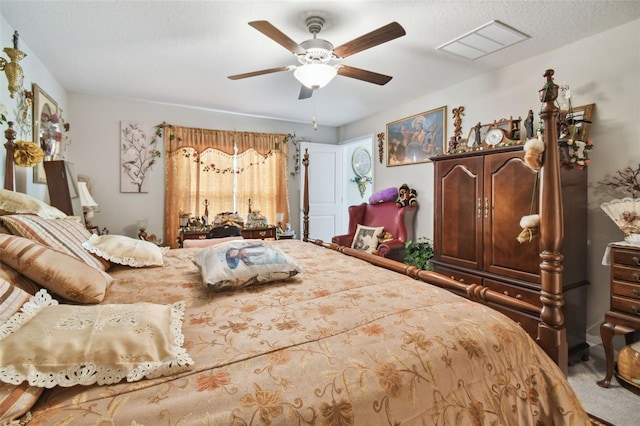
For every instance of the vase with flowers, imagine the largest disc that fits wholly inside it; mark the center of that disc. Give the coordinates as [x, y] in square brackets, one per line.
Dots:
[625, 212]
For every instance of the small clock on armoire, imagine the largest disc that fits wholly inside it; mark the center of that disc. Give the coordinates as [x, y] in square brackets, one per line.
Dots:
[494, 136]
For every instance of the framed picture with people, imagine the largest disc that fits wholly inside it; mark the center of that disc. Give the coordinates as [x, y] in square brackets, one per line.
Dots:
[417, 138]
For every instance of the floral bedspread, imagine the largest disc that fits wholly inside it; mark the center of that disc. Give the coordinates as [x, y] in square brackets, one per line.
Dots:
[343, 343]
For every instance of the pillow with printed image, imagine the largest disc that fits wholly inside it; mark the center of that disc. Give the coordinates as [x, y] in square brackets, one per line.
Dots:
[366, 238]
[241, 263]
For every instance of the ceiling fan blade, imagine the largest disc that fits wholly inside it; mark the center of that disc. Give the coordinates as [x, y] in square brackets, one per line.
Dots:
[364, 75]
[374, 38]
[278, 36]
[305, 92]
[256, 73]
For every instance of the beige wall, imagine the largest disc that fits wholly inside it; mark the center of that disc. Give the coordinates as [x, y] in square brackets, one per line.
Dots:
[604, 69]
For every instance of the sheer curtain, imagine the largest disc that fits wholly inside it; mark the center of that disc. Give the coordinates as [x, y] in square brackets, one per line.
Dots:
[227, 169]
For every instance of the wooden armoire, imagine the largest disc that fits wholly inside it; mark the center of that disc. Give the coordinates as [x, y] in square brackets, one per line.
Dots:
[480, 198]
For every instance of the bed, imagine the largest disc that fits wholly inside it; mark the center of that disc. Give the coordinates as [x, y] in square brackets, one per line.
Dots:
[349, 339]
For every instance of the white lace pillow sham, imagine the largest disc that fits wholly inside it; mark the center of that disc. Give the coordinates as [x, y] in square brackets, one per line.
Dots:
[237, 264]
[12, 202]
[81, 345]
[15, 400]
[125, 250]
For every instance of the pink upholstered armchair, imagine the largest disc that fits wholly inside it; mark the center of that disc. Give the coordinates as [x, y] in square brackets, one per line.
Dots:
[398, 221]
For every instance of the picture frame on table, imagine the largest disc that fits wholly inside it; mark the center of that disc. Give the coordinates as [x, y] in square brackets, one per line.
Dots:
[46, 130]
[417, 138]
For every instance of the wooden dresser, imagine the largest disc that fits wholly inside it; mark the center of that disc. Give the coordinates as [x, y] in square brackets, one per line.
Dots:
[480, 198]
[259, 233]
[623, 317]
[191, 235]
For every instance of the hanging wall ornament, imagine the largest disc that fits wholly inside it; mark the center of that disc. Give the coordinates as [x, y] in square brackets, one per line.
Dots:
[380, 146]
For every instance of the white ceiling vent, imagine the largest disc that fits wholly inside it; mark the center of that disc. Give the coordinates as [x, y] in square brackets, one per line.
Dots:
[486, 39]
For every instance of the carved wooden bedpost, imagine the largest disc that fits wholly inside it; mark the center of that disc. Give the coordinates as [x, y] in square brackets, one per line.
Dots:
[10, 147]
[552, 335]
[305, 205]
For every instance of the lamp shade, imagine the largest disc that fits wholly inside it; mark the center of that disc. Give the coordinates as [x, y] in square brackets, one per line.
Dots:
[85, 196]
[315, 76]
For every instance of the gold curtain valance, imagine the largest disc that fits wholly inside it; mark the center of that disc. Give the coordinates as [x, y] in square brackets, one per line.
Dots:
[179, 137]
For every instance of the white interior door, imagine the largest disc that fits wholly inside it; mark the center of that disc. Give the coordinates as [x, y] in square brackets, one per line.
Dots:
[325, 194]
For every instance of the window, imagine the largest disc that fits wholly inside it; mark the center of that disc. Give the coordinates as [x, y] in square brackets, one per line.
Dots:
[227, 169]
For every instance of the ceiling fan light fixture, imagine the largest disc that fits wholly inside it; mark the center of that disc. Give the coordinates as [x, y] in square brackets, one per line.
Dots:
[315, 76]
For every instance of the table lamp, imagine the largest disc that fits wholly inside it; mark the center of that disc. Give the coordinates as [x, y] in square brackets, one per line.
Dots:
[89, 205]
[142, 228]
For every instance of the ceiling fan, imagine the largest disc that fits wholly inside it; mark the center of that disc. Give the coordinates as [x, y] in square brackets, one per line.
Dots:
[316, 54]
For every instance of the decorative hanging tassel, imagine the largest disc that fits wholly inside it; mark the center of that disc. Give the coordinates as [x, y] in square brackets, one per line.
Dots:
[533, 149]
[530, 228]
[315, 125]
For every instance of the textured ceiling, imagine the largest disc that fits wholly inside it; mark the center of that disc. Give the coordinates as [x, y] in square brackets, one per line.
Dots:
[181, 52]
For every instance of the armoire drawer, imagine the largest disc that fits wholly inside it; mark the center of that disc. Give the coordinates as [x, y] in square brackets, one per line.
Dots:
[519, 293]
[458, 276]
[527, 322]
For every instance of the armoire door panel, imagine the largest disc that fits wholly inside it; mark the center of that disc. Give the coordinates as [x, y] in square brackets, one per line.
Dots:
[458, 238]
[509, 191]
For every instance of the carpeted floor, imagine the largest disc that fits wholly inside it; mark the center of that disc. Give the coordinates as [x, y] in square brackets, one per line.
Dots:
[615, 405]
[595, 421]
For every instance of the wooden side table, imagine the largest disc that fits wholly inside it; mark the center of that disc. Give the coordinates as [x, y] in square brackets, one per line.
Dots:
[623, 317]
[259, 233]
[191, 235]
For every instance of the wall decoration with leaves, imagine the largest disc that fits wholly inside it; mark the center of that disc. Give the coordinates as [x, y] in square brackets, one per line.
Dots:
[137, 156]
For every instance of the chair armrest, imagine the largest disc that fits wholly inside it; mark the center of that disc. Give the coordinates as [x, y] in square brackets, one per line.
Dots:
[393, 249]
[343, 240]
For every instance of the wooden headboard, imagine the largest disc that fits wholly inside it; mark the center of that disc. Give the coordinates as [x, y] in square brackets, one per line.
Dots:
[10, 147]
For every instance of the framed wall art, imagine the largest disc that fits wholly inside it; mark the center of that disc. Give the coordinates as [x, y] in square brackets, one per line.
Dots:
[417, 138]
[46, 130]
[576, 122]
[137, 156]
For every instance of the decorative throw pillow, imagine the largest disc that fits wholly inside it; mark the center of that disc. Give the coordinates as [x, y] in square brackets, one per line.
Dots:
[103, 344]
[125, 250]
[15, 400]
[58, 272]
[4, 229]
[17, 203]
[388, 194]
[237, 264]
[11, 300]
[16, 279]
[366, 238]
[64, 235]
